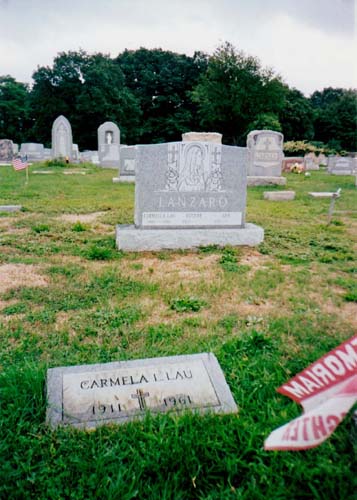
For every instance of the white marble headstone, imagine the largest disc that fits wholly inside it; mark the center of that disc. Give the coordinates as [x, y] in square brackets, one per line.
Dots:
[109, 145]
[62, 143]
[92, 395]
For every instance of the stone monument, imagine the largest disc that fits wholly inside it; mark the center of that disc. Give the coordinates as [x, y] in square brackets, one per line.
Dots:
[91, 395]
[127, 164]
[342, 165]
[109, 145]
[265, 155]
[62, 143]
[189, 194]
[6, 150]
[75, 153]
[33, 151]
[202, 137]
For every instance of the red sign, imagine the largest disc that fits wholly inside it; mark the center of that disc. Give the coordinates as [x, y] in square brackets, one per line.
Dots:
[327, 390]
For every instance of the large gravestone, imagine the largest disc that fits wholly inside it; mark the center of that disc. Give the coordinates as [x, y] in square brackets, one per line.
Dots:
[109, 145]
[33, 151]
[62, 143]
[91, 395]
[189, 194]
[265, 155]
[6, 150]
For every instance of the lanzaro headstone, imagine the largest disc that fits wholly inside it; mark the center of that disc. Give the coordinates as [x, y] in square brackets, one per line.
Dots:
[62, 143]
[189, 194]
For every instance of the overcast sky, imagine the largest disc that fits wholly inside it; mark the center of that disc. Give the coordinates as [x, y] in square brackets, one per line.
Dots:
[310, 43]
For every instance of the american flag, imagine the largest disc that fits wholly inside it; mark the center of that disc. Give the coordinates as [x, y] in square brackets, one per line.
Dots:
[20, 163]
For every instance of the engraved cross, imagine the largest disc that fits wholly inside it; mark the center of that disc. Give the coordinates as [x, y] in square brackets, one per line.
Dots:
[140, 396]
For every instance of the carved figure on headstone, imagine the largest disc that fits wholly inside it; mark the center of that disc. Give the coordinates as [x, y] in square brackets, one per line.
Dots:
[109, 137]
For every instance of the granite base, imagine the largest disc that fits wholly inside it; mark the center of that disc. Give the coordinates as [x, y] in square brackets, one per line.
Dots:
[133, 239]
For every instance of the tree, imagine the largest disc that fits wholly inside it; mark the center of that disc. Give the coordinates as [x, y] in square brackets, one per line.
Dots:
[13, 109]
[88, 90]
[336, 114]
[162, 81]
[297, 116]
[265, 121]
[234, 91]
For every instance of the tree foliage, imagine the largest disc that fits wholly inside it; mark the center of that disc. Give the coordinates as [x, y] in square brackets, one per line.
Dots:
[234, 91]
[88, 90]
[161, 81]
[336, 115]
[297, 116]
[156, 95]
[13, 109]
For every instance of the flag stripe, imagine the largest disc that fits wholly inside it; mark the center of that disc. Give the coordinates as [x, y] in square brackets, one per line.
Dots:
[20, 163]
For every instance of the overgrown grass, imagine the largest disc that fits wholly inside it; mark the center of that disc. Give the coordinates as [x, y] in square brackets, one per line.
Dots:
[265, 313]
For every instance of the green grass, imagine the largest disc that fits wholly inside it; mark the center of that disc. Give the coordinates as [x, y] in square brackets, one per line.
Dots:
[265, 313]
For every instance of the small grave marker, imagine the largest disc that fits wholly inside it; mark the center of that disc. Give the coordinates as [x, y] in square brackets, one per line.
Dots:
[90, 395]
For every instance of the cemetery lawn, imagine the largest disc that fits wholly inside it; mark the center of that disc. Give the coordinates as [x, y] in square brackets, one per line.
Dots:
[68, 297]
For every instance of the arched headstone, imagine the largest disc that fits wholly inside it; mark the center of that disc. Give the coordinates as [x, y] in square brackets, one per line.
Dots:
[62, 142]
[109, 145]
[265, 153]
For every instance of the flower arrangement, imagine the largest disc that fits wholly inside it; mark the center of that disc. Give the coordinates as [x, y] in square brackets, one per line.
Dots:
[297, 168]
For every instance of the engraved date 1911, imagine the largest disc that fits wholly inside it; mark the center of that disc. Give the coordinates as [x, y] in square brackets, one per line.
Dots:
[106, 409]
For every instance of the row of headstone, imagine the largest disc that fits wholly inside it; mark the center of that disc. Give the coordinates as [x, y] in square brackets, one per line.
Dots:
[264, 159]
[108, 153]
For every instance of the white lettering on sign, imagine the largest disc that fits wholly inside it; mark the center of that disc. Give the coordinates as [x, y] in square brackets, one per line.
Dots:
[327, 390]
[192, 218]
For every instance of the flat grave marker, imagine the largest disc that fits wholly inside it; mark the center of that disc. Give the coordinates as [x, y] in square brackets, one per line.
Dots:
[90, 395]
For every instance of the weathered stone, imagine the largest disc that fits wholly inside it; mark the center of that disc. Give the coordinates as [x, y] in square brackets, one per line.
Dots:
[279, 195]
[33, 151]
[109, 145]
[265, 181]
[127, 163]
[265, 153]
[202, 137]
[6, 150]
[62, 143]
[10, 208]
[90, 395]
[75, 153]
[342, 166]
